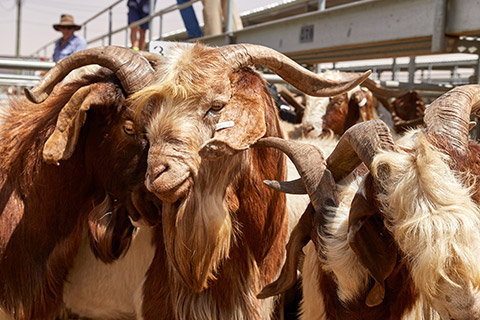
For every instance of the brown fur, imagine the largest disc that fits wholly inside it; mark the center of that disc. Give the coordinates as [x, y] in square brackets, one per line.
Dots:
[399, 298]
[45, 208]
[406, 109]
[343, 112]
[400, 293]
[468, 163]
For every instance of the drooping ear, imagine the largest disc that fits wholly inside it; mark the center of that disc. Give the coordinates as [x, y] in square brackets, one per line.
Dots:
[372, 244]
[61, 144]
[110, 230]
[242, 120]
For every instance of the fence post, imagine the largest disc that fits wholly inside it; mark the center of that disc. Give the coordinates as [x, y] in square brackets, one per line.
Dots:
[150, 22]
[321, 5]
[229, 26]
[110, 26]
[411, 70]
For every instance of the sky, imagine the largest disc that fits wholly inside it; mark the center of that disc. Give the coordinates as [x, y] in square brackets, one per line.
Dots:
[38, 16]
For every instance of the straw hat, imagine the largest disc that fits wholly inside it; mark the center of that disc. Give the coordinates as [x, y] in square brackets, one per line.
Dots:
[66, 20]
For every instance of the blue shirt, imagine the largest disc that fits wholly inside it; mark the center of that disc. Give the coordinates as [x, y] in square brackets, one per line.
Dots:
[73, 44]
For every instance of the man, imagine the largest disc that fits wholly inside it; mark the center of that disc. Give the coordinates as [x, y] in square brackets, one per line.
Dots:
[68, 43]
[138, 9]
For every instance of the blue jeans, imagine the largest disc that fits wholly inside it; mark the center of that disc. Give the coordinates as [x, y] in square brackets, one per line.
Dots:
[190, 21]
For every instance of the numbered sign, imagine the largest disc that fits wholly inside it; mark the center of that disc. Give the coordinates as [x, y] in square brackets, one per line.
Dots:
[163, 47]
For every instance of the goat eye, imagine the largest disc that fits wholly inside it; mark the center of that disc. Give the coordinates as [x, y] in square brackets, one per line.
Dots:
[217, 107]
[128, 128]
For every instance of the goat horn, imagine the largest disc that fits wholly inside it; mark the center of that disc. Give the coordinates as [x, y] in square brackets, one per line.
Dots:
[299, 238]
[310, 164]
[376, 88]
[383, 91]
[359, 144]
[132, 69]
[293, 187]
[449, 115]
[243, 55]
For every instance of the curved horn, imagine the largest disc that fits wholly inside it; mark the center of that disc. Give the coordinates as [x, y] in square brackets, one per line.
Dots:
[131, 68]
[359, 144]
[292, 187]
[155, 59]
[383, 91]
[243, 55]
[448, 116]
[311, 166]
[375, 87]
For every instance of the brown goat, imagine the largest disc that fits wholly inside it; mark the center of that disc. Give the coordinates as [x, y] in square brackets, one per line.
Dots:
[324, 117]
[344, 111]
[405, 106]
[67, 165]
[401, 241]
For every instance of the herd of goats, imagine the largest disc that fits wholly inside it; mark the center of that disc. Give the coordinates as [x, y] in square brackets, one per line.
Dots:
[139, 186]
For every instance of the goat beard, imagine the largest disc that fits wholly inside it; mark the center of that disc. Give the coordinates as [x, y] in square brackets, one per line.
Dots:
[198, 231]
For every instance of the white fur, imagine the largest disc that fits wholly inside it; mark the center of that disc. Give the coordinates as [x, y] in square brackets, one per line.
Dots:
[312, 307]
[106, 291]
[435, 223]
[350, 276]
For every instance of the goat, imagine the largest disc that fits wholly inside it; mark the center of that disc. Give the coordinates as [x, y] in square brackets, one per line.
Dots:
[401, 239]
[334, 115]
[70, 165]
[406, 107]
[222, 233]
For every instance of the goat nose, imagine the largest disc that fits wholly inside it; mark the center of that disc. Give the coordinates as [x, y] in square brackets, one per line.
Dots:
[308, 128]
[155, 172]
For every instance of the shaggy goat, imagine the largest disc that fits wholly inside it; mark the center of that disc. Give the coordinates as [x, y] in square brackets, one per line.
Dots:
[71, 165]
[401, 240]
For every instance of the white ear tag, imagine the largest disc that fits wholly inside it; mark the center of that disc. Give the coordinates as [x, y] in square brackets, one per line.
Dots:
[224, 125]
[363, 102]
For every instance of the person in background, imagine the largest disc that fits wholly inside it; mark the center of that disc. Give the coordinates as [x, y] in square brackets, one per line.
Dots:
[215, 16]
[138, 9]
[68, 43]
[190, 20]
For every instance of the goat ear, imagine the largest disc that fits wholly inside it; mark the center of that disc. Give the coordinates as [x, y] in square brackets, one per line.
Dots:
[61, 144]
[372, 244]
[239, 127]
[242, 120]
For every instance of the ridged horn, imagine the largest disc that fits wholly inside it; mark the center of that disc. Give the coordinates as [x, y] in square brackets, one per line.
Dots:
[132, 69]
[310, 164]
[243, 55]
[448, 116]
[358, 144]
[308, 160]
